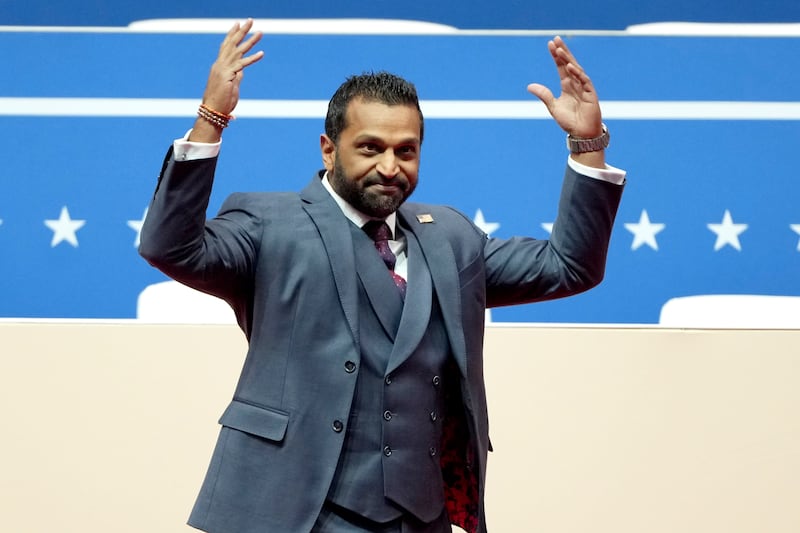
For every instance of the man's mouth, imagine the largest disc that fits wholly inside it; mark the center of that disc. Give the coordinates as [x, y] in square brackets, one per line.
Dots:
[389, 187]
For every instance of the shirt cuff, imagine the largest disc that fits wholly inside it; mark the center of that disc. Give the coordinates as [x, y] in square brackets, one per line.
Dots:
[610, 174]
[185, 150]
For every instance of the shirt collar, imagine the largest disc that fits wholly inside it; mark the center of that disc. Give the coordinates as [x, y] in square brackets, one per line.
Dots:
[354, 215]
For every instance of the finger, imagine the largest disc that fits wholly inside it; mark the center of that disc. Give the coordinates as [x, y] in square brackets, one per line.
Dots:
[247, 25]
[239, 66]
[571, 68]
[573, 77]
[579, 75]
[242, 61]
[249, 60]
[234, 48]
[563, 50]
[542, 93]
[559, 60]
[247, 45]
[230, 37]
[235, 36]
[241, 30]
[580, 84]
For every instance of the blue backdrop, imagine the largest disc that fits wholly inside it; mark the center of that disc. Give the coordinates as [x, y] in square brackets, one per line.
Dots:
[93, 159]
[497, 14]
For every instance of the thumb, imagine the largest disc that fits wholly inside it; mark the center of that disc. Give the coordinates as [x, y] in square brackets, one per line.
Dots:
[542, 93]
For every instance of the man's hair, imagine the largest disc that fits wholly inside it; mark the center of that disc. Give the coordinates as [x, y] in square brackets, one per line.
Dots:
[382, 87]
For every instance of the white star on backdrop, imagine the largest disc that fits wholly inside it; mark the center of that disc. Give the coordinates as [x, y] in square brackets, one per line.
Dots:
[644, 232]
[136, 225]
[487, 227]
[64, 228]
[795, 228]
[727, 232]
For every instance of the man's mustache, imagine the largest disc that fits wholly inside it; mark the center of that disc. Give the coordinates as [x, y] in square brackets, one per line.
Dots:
[399, 181]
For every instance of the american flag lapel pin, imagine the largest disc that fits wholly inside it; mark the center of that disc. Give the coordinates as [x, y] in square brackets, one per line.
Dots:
[425, 218]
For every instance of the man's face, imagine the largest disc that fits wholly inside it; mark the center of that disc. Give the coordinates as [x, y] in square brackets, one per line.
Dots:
[375, 165]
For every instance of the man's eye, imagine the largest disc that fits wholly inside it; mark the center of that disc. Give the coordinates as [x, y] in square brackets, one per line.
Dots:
[370, 147]
[407, 150]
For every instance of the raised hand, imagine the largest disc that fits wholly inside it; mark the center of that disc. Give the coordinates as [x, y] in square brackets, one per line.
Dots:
[222, 88]
[577, 109]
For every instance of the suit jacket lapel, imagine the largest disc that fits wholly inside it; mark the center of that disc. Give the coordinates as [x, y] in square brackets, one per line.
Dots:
[443, 271]
[334, 229]
[377, 282]
[417, 308]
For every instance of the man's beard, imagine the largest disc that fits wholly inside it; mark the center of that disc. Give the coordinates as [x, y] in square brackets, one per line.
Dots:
[369, 202]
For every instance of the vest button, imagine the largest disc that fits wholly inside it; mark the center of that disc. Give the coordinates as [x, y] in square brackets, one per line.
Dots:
[436, 381]
[388, 380]
[349, 367]
[337, 426]
[433, 416]
[432, 451]
[387, 415]
[387, 451]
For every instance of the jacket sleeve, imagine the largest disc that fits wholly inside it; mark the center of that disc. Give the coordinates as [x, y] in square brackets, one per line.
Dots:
[214, 256]
[522, 270]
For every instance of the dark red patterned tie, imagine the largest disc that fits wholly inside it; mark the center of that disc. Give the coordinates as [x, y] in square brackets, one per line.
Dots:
[379, 232]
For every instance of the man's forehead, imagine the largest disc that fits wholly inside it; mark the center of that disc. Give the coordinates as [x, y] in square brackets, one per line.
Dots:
[370, 105]
[377, 118]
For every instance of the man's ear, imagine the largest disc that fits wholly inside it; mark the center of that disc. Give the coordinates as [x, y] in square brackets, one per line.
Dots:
[328, 150]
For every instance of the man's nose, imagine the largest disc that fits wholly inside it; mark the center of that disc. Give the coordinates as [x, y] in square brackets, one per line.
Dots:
[388, 165]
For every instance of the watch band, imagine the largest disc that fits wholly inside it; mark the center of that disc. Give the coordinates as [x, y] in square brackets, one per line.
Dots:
[578, 145]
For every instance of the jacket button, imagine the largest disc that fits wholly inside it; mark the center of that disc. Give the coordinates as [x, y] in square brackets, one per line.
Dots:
[387, 451]
[432, 451]
[433, 416]
[387, 415]
[388, 380]
[349, 367]
[436, 381]
[337, 426]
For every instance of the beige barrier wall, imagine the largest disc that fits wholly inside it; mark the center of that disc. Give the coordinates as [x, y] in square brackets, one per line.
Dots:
[109, 427]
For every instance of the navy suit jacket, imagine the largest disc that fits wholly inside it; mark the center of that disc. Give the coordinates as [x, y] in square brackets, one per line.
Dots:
[285, 263]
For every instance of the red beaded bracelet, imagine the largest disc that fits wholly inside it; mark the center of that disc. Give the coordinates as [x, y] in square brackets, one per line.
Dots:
[216, 118]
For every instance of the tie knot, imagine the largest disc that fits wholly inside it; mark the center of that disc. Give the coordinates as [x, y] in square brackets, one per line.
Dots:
[378, 230]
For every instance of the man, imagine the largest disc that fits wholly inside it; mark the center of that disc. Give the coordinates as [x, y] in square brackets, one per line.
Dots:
[361, 405]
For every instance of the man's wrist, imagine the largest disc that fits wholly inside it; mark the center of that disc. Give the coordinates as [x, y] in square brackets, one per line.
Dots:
[580, 145]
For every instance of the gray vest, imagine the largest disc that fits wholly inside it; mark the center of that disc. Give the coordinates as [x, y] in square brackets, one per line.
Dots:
[390, 458]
